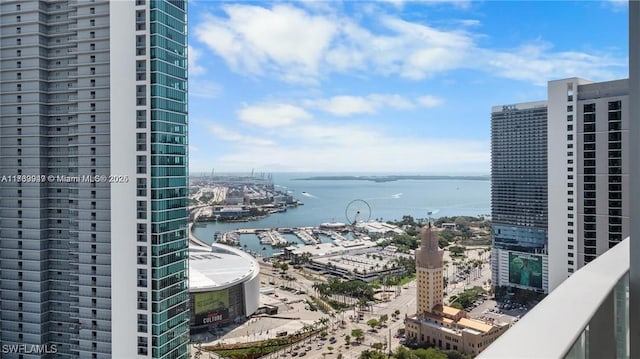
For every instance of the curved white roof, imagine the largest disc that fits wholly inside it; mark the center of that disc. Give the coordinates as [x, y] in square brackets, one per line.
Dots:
[218, 266]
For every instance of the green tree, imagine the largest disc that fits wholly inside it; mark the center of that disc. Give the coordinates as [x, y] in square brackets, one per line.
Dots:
[284, 267]
[347, 339]
[372, 354]
[372, 323]
[447, 235]
[357, 334]
[430, 353]
[383, 319]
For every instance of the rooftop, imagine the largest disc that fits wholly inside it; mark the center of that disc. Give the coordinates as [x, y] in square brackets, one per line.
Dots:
[475, 324]
[447, 310]
[218, 267]
[327, 249]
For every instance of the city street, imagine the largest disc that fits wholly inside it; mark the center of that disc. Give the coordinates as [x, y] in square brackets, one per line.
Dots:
[294, 313]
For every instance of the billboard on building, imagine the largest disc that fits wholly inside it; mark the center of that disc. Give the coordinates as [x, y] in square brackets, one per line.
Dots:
[211, 301]
[525, 270]
[215, 317]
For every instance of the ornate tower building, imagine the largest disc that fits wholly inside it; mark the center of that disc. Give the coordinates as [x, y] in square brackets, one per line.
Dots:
[429, 266]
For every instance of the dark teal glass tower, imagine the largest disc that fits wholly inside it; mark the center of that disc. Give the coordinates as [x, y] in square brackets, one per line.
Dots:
[169, 217]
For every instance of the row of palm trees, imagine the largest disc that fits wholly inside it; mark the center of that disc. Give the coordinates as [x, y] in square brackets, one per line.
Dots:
[351, 288]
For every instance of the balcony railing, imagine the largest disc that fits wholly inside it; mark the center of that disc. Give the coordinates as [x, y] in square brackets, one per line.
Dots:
[586, 317]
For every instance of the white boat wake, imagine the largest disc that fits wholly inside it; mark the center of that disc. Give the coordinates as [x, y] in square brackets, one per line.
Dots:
[308, 195]
[397, 195]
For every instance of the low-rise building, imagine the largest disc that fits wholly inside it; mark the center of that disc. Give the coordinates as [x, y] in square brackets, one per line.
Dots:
[349, 259]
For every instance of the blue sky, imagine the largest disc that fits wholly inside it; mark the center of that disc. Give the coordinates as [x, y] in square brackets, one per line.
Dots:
[380, 86]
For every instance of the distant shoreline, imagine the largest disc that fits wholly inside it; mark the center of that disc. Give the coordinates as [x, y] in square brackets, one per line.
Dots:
[391, 178]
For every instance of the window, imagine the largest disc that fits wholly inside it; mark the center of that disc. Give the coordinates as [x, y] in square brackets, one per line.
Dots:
[570, 108]
[615, 136]
[614, 116]
[615, 105]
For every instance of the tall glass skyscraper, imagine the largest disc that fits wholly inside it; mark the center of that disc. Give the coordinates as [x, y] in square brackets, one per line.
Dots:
[93, 179]
[519, 195]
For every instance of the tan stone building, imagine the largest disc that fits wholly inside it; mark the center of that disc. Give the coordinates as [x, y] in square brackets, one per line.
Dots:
[435, 323]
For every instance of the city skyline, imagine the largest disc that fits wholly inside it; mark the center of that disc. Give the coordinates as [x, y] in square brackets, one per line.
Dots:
[380, 86]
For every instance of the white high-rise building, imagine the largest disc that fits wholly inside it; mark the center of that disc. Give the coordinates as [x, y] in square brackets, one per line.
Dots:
[588, 157]
[93, 179]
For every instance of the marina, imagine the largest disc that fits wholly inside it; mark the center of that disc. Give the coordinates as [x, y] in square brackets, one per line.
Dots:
[273, 238]
[267, 242]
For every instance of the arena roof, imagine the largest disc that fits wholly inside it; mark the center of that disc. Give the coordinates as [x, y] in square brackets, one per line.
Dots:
[218, 266]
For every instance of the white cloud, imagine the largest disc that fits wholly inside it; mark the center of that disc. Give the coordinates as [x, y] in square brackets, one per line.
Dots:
[343, 105]
[399, 4]
[469, 22]
[358, 148]
[194, 56]
[204, 88]
[430, 101]
[617, 5]
[232, 136]
[273, 115]
[284, 39]
[536, 63]
[392, 100]
[373, 103]
[305, 44]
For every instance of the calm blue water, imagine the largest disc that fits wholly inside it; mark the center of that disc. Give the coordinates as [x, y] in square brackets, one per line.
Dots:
[326, 201]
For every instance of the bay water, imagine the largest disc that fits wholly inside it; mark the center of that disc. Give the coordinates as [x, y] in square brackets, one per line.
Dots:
[328, 201]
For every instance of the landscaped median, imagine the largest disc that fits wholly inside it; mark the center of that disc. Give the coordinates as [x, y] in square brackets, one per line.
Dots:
[257, 349]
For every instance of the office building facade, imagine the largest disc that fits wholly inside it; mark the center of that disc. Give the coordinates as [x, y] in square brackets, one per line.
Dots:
[519, 196]
[588, 172]
[93, 179]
